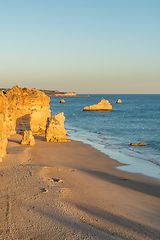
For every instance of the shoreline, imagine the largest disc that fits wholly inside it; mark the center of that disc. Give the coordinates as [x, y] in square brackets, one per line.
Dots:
[129, 163]
[109, 138]
[93, 200]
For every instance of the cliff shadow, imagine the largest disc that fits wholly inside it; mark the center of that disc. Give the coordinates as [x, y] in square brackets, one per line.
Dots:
[23, 123]
[40, 137]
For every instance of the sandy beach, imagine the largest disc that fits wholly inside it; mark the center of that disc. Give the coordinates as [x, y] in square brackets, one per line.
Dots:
[73, 191]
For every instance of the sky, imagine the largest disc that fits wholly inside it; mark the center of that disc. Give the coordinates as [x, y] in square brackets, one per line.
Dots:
[85, 46]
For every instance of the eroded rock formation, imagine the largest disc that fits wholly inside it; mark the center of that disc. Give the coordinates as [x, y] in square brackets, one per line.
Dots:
[62, 101]
[55, 131]
[20, 110]
[3, 124]
[103, 105]
[119, 101]
[27, 138]
[3, 137]
[29, 110]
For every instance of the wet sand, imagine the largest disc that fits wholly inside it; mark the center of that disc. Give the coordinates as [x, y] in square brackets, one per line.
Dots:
[73, 191]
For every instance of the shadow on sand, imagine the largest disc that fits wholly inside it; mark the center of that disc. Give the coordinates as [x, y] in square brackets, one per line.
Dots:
[123, 225]
[146, 188]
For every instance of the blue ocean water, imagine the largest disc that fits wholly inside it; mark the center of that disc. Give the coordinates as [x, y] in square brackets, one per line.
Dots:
[137, 119]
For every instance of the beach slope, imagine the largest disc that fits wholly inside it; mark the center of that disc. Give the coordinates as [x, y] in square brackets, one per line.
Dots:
[72, 191]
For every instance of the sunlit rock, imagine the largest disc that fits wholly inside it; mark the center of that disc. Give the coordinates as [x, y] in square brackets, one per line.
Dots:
[119, 101]
[27, 138]
[62, 101]
[55, 131]
[3, 137]
[28, 110]
[138, 144]
[20, 110]
[103, 105]
[4, 133]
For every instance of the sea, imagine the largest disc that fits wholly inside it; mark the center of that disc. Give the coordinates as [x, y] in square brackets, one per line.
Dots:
[136, 120]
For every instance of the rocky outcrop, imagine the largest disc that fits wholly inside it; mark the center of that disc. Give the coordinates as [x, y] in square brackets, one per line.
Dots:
[103, 105]
[27, 138]
[55, 131]
[119, 101]
[28, 110]
[3, 137]
[4, 134]
[20, 110]
[138, 144]
[62, 101]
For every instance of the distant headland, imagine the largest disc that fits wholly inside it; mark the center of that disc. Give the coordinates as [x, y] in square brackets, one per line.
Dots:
[50, 93]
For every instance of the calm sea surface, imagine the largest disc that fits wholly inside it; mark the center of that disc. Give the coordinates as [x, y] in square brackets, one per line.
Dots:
[137, 119]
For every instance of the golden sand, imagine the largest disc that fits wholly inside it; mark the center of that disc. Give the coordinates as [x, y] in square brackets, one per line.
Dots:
[73, 191]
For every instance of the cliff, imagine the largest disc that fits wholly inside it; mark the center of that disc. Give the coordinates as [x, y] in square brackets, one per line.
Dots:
[20, 110]
[65, 94]
[50, 93]
[28, 110]
[3, 124]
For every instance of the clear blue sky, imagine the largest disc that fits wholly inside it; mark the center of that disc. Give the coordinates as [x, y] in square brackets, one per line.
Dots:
[87, 46]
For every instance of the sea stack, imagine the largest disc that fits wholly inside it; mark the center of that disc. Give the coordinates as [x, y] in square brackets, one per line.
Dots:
[119, 101]
[103, 105]
[55, 131]
[62, 101]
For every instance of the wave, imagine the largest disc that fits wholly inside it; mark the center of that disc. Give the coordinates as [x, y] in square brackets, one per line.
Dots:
[106, 144]
[153, 161]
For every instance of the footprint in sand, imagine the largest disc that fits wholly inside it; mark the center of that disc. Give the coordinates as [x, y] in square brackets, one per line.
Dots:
[44, 190]
[55, 180]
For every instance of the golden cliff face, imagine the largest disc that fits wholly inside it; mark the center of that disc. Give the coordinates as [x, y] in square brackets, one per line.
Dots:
[29, 110]
[55, 131]
[3, 124]
[20, 110]
[3, 137]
